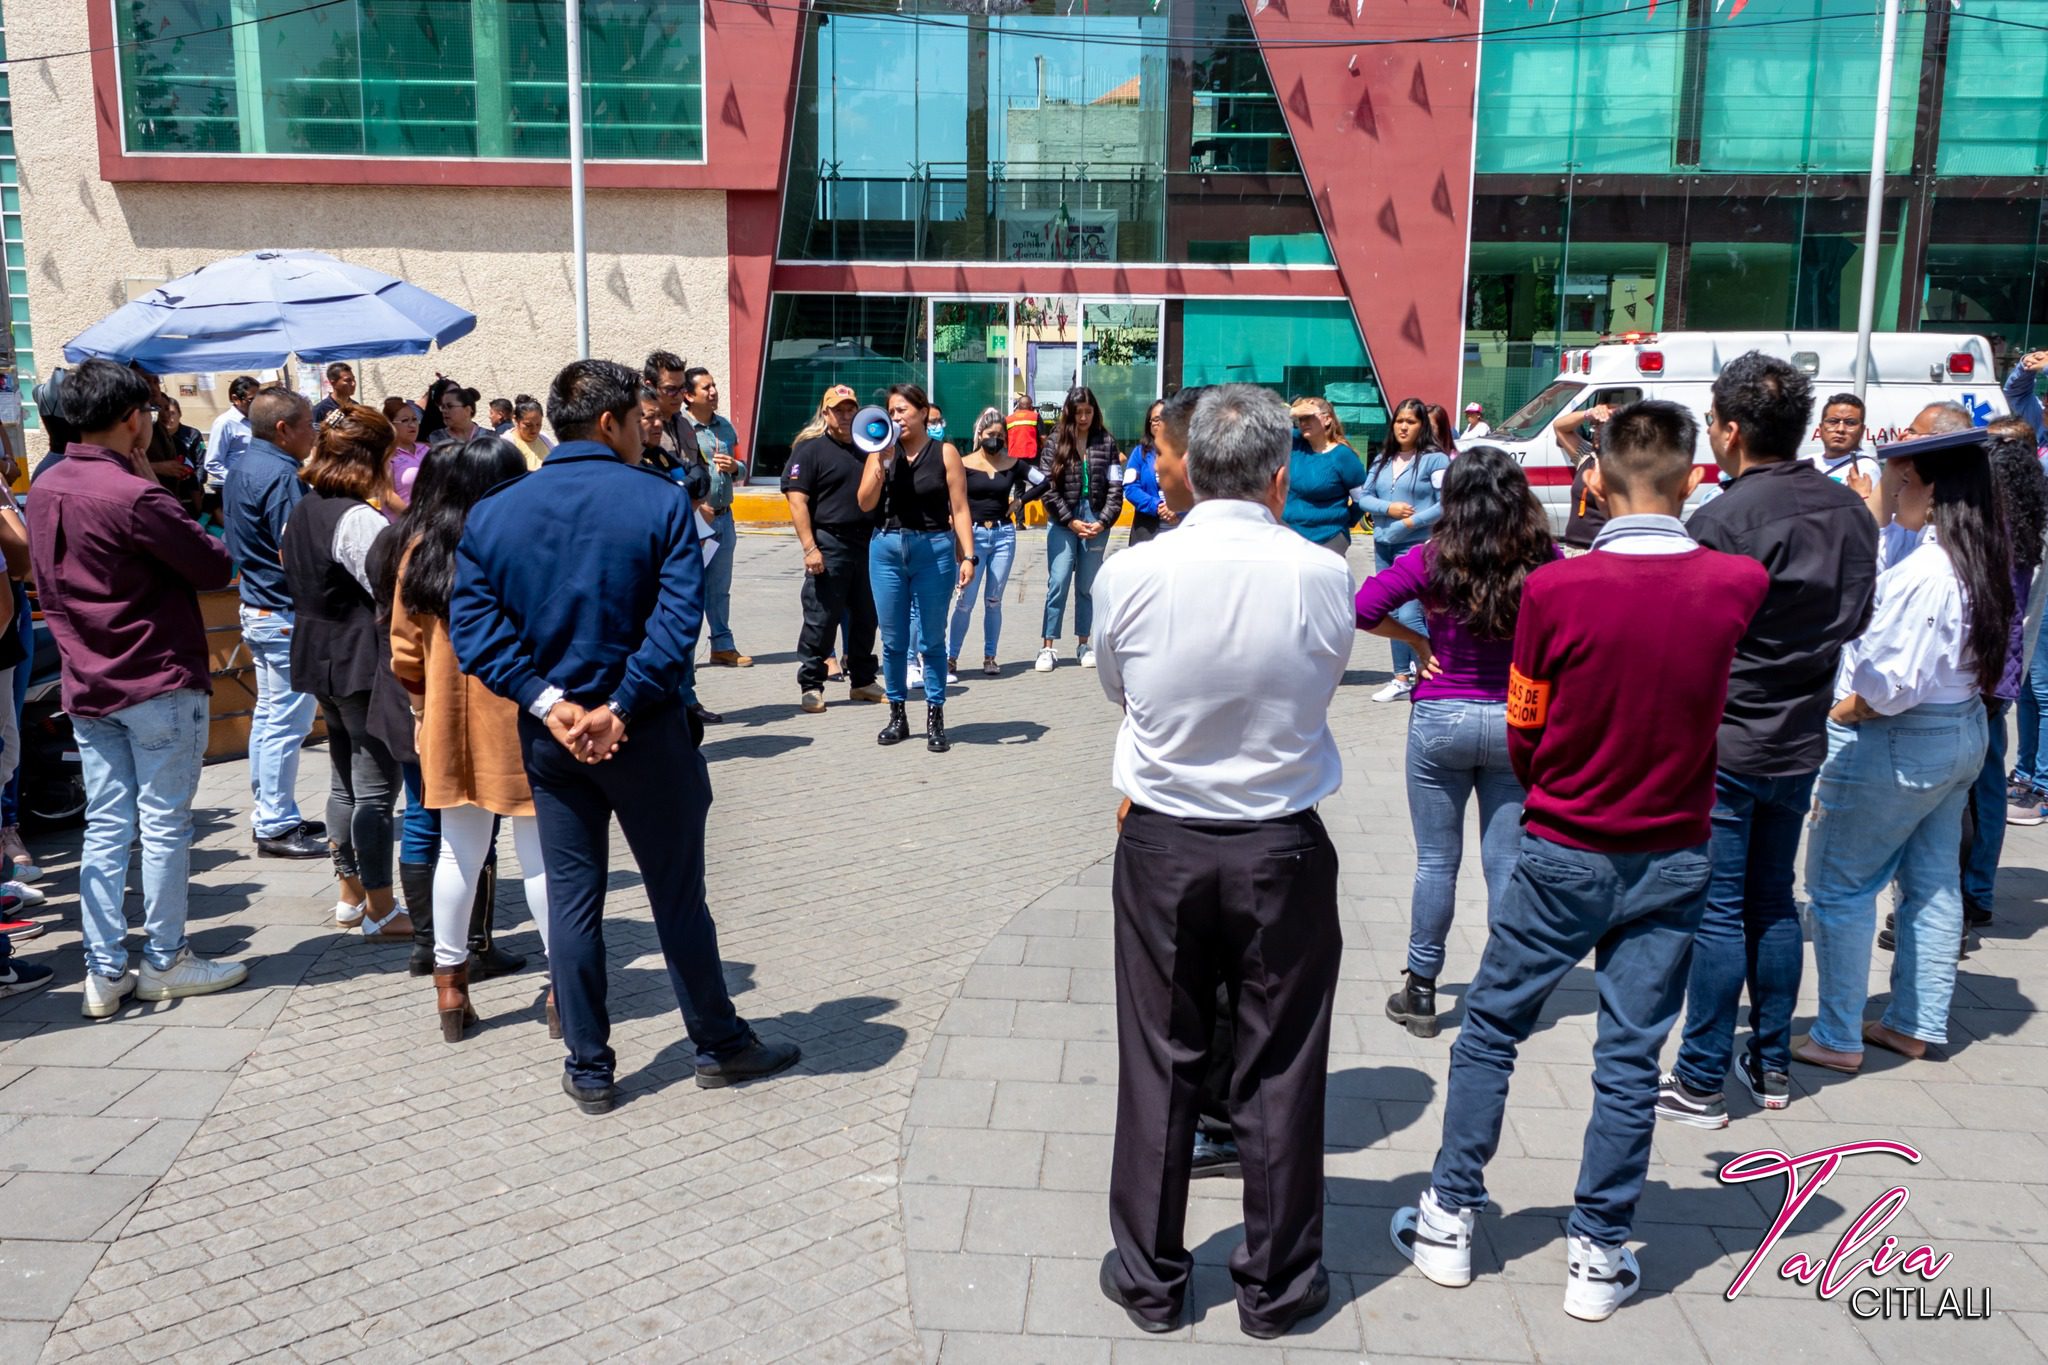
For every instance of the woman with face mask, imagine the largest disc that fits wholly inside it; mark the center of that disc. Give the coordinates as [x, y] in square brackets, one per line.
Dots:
[994, 481]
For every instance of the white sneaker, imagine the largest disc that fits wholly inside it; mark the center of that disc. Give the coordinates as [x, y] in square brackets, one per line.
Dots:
[1087, 658]
[1437, 1239]
[1598, 1279]
[951, 677]
[23, 892]
[347, 916]
[914, 675]
[1400, 687]
[104, 994]
[188, 975]
[1048, 660]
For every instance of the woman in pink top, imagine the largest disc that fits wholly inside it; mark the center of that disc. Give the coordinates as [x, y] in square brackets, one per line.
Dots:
[1468, 577]
[407, 453]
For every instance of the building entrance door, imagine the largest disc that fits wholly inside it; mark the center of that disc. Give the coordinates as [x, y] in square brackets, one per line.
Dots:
[969, 363]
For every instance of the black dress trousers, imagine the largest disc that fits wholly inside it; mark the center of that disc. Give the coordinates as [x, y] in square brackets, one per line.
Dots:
[841, 593]
[1250, 906]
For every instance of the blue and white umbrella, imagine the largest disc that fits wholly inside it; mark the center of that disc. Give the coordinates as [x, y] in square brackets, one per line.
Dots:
[257, 310]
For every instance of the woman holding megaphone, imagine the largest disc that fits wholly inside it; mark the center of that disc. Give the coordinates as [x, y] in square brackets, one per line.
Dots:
[923, 547]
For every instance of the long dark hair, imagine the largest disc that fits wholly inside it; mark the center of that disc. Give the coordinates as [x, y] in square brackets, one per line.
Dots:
[1969, 525]
[1067, 443]
[2023, 489]
[1493, 535]
[430, 415]
[1425, 441]
[450, 481]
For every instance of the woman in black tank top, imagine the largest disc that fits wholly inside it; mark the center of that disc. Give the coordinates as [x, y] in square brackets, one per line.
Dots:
[922, 548]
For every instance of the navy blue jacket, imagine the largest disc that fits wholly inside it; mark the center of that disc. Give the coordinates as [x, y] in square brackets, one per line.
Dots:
[584, 575]
[261, 490]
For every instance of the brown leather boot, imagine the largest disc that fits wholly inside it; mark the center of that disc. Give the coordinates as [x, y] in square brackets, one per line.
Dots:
[451, 1001]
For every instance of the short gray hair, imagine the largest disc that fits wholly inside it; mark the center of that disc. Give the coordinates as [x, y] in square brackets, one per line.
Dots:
[1947, 417]
[1238, 440]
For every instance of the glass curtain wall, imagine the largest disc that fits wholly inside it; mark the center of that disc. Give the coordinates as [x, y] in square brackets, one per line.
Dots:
[1680, 167]
[411, 78]
[1047, 132]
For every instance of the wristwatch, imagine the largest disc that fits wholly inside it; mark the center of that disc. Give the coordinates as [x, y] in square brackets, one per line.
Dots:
[975, 560]
[625, 716]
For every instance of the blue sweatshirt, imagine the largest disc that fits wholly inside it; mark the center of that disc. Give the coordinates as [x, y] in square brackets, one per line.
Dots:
[1417, 485]
[2019, 396]
[1141, 481]
[1319, 490]
[583, 575]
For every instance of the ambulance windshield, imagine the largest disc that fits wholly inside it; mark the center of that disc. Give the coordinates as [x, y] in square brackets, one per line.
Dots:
[1539, 412]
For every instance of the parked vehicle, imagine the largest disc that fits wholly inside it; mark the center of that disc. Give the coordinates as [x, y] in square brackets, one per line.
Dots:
[1908, 371]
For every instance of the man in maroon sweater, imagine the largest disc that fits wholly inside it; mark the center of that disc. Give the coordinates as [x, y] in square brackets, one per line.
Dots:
[1615, 699]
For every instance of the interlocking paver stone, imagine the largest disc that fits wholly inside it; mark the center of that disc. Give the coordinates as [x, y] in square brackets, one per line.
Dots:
[325, 1180]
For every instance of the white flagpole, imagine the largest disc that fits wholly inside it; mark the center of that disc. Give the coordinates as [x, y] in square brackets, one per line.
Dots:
[1873, 219]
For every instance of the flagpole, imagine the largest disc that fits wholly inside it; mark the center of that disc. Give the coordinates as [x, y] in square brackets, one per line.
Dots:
[577, 242]
[1873, 218]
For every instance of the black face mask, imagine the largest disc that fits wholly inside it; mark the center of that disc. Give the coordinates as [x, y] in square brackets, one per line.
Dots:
[992, 441]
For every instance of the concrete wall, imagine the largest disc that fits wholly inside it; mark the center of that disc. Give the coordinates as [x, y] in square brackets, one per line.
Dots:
[657, 258]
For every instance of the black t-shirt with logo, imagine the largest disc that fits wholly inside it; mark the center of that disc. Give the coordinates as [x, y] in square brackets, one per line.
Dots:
[828, 473]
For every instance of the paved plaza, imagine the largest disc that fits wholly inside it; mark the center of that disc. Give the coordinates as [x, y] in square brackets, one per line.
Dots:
[301, 1170]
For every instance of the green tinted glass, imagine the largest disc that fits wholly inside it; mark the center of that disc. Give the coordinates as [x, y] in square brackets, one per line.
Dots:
[1994, 120]
[1292, 347]
[410, 78]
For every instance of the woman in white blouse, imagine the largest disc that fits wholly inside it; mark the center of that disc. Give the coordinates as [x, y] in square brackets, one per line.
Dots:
[1905, 740]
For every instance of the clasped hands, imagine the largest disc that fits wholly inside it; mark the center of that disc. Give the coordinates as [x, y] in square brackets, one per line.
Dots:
[590, 736]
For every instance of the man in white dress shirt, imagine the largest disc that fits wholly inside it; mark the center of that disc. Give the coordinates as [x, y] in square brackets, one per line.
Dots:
[1224, 643]
[230, 434]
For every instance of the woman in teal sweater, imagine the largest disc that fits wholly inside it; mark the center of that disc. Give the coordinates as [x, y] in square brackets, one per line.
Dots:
[1323, 474]
[1404, 492]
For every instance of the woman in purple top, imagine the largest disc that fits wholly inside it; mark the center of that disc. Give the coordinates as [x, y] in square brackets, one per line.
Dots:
[1468, 578]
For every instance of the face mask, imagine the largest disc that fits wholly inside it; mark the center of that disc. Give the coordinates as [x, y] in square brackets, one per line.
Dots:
[992, 441]
[937, 431]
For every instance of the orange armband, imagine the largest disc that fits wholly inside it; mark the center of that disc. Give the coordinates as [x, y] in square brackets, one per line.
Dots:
[1528, 700]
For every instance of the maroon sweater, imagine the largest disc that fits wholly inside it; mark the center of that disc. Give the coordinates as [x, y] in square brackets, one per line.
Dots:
[1614, 705]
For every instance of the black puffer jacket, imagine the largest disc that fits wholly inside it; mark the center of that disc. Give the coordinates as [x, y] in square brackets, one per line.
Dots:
[1088, 490]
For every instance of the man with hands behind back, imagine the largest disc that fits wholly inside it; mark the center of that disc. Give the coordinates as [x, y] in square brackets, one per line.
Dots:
[592, 635]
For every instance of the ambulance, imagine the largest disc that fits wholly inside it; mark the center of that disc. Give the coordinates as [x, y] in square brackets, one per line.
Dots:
[1908, 370]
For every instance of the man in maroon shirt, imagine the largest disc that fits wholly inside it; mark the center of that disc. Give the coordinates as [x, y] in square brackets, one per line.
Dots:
[1615, 698]
[117, 567]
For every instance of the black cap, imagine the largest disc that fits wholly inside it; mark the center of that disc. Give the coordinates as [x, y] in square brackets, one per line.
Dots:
[1976, 439]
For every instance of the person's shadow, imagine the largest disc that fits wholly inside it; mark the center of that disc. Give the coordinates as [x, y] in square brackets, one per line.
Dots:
[838, 1037]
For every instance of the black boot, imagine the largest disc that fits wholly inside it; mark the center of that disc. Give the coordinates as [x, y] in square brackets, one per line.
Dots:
[416, 883]
[1414, 1006]
[935, 729]
[486, 960]
[898, 729]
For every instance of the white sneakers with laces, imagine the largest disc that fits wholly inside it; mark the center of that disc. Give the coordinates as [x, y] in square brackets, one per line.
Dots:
[188, 974]
[1401, 686]
[104, 994]
[1087, 656]
[1048, 660]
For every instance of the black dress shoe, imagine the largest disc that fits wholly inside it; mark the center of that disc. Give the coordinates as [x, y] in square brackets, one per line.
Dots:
[596, 1099]
[1313, 1302]
[297, 843]
[1975, 918]
[756, 1060]
[491, 960]
[1138, 1320]
[705, 715]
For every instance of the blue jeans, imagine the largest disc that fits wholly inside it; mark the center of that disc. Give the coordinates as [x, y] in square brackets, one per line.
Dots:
[718, 583]
[141, 765]
[906, 567]
[1889, 805]
[1454, 749]
[1749, 935]
[419, 835]
[2030, 764]
[996, 548]
[278, 728]
[1986, 843]
[1409, 615]
[1070, 560]
[1636, 913]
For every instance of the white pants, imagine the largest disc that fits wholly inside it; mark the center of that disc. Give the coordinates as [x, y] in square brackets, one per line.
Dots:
[465, 843]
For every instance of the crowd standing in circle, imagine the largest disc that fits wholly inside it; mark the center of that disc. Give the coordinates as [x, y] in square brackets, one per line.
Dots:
[402, 571]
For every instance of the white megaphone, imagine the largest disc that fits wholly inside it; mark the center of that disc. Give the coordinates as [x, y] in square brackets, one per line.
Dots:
[873, 431]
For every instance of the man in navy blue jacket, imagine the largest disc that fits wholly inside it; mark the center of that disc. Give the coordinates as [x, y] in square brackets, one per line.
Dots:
[592, 633]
